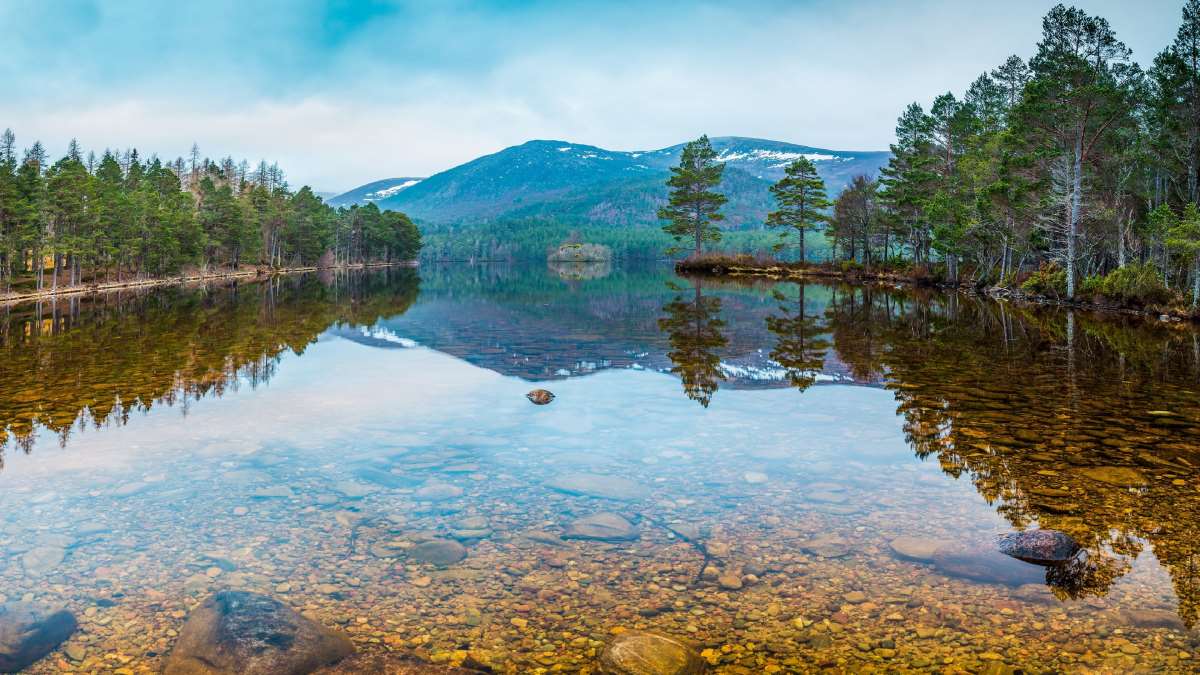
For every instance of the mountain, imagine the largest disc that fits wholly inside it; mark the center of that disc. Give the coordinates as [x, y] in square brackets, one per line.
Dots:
[573, 183]
[373, 192]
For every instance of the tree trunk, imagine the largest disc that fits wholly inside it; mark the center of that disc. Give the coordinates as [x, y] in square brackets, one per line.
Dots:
[1120, 243]
[1076, 207]
[1196, 283]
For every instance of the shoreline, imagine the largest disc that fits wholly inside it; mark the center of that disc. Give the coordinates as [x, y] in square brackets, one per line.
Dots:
[244, 273]
[793, 272]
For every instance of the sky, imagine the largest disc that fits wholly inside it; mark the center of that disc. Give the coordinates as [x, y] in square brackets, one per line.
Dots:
[343, 92]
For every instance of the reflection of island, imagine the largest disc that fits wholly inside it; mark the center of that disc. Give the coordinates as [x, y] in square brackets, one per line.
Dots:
[800, 346]
[581, 271]
[127, 352]
[1108, 452]
[694, 331]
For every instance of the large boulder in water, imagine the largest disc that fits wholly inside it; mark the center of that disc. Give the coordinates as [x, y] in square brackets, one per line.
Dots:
[29, 632]
[985, 564]
[1040, 547]
[642, 653]
[236, 632]
[540, 397]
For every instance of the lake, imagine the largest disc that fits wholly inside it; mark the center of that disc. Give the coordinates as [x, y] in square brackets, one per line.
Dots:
[788, 477]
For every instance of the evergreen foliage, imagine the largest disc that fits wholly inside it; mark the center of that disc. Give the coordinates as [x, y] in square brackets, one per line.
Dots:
[800, 195]
[117, 217]
[1070, 165]
[693, 208]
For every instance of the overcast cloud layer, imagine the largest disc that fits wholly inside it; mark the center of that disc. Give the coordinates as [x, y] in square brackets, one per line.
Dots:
[341, 92]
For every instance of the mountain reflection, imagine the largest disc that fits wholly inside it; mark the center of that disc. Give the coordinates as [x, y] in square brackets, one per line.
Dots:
[92, 362]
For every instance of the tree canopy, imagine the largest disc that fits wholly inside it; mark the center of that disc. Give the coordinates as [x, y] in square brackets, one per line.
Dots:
[86, 219]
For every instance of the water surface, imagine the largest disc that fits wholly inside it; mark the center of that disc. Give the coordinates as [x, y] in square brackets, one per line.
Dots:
[809, 477]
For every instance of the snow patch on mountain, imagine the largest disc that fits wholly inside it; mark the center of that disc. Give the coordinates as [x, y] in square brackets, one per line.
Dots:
[776, 157]
[388, 192]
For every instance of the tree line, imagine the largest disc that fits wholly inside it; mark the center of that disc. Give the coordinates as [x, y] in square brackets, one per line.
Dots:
[88, 219]
[1073, 172]
[1076, 163]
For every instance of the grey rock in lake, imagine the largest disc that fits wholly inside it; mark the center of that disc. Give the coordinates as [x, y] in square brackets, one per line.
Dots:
[237, 632]
[274, 492]
[827, 546]
[1041, 547]
[599, 485]
[437, 492]
[917, 548]
[386, 479]
[985, 564]
[28, 632]
[352, 490]
[604, 526]
[42, 559]
[644, 653]
[440, 552]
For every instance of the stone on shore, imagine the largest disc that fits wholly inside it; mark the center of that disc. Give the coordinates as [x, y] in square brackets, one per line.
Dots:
[28, 632]
[251, 634]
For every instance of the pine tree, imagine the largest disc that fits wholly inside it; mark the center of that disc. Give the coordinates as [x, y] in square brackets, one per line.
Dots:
[800, 195]
[693, 208]
[1184, 238]
[1083, 88]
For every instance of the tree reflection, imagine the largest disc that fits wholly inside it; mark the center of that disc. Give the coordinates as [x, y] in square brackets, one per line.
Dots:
[800, 346]
[75, 363]
[693, 329]
[1078, 423]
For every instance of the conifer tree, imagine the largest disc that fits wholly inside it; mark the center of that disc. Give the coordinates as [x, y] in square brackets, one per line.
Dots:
[1184, 238]
[693, 208]
[800, 195]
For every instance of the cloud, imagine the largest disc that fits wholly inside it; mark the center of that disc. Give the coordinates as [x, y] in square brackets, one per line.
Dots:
[343, 92]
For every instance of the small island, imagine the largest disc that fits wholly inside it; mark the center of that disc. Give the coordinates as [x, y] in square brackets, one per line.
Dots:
[574, 251]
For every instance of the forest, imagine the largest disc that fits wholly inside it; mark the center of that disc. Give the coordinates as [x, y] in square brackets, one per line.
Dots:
[1071, 172]
[88, 219]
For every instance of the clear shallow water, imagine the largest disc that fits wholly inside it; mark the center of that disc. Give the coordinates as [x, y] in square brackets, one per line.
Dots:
[797, 490]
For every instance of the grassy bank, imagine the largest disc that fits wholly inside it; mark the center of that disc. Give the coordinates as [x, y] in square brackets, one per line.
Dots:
[1171, 307]
[193, 276]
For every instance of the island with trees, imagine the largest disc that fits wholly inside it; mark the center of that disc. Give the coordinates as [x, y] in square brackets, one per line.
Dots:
[1073, 176]
[86, 221]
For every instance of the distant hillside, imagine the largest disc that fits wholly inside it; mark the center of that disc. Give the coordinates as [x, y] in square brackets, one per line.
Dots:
[583, 184]
[372, 192]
